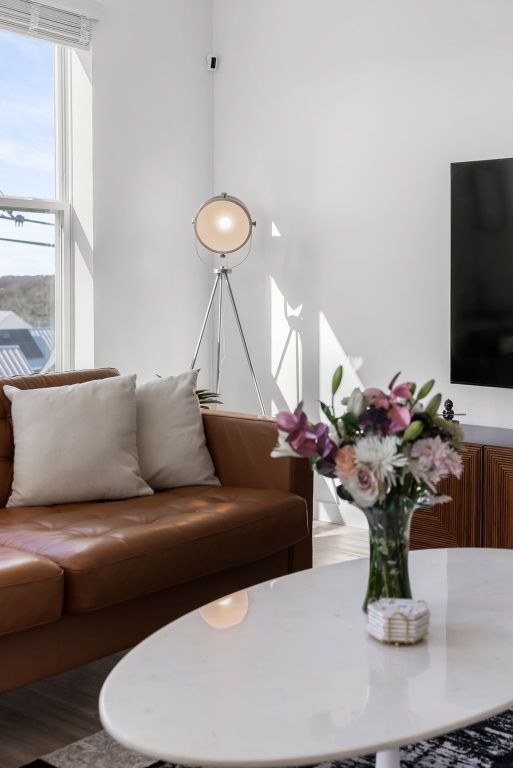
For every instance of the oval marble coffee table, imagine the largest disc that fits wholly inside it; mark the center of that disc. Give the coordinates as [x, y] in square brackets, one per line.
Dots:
[284, 674]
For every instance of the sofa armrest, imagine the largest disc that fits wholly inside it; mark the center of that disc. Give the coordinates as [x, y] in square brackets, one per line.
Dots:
[240, 446]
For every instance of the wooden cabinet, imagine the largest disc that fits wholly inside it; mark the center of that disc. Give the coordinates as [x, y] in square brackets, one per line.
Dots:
[498, 497]
[458, 523]
[481, 510]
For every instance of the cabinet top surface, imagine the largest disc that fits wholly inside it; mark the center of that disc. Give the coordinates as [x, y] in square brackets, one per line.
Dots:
[284, 673]
[502, 438]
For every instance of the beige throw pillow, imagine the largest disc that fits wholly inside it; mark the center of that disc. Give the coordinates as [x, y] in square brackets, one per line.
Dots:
[172, 447]
[75, 443]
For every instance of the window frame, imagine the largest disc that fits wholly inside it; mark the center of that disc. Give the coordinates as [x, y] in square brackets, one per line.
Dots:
[60, 206]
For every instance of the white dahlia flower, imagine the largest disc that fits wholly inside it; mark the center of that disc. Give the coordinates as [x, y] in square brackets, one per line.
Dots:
[381, 455]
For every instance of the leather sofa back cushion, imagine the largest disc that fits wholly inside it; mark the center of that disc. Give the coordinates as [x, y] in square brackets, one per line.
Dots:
[75, 443]
[32, 382]
[170, 435]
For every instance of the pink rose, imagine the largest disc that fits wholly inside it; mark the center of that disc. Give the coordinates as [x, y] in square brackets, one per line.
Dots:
[376, 397]
[363, 487]
[344, 462]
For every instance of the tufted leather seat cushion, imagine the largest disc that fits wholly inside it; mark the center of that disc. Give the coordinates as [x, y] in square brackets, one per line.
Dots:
[114, 551]
[31, 591]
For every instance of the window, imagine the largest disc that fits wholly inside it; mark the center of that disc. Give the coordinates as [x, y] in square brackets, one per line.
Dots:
[34, 210]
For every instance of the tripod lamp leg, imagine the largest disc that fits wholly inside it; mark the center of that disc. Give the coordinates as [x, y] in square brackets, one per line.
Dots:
[246, 350]
[202, 332]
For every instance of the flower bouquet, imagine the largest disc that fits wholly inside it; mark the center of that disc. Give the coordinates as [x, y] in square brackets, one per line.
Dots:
[387, 452]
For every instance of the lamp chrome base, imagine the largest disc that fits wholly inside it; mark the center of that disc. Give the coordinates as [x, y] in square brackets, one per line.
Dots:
[221, 278]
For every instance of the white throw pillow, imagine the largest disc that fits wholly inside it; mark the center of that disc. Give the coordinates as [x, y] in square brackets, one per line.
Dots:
[172, 447]
[75, 443]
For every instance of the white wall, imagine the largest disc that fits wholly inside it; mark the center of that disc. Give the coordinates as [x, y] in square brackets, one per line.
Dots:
[82, 208]
[337, 120]
[152, 169]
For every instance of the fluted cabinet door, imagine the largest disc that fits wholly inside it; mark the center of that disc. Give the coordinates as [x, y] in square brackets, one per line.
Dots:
[457, 523]
[498, 497]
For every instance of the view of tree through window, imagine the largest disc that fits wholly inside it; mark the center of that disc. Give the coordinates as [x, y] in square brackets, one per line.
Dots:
[27, 238]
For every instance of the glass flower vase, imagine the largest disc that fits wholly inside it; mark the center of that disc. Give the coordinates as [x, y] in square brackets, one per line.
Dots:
[389, 538]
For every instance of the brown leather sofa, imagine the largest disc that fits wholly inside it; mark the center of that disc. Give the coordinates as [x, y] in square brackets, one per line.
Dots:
[81, 581]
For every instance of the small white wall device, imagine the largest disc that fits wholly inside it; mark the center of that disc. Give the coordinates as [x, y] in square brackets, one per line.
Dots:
[212, 62]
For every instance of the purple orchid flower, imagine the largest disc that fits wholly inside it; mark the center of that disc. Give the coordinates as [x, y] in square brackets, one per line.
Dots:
[325, 445]
[292, 422]
[305, 439]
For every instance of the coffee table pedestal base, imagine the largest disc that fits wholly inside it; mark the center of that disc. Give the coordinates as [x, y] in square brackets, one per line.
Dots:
[388, 759]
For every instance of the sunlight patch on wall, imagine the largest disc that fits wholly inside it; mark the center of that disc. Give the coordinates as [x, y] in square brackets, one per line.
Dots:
[286, 348]
[275, 232]
[331, 354]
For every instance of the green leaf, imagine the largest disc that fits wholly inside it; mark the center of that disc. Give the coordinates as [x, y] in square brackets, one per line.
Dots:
[328, 413]
[426, 389]
[343, 494]
[336, 380]
[350, 422]
[206, 397]
[413, 431]
[452, 430]
[413, 387]
[433, 405]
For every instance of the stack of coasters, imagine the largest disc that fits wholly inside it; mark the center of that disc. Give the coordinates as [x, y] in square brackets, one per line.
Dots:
[398, 621]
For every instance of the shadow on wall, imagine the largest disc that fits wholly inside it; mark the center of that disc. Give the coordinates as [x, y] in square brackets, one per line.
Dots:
[288, 328]
[304, 344]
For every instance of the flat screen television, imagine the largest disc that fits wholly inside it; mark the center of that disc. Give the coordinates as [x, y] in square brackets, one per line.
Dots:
[482, 273]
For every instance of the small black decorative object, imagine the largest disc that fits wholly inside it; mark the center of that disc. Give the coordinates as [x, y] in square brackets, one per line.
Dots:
[448, 412]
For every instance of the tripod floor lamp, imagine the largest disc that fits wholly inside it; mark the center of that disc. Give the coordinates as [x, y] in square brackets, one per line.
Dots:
[223, 225]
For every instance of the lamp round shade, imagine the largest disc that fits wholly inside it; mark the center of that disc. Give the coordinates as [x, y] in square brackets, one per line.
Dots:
[226, 612]
[223, 224]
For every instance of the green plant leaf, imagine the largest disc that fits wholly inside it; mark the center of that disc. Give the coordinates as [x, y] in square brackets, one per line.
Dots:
[350, 422]
[413, 431]
[328, 413]
[343, 494]
[206, 397]
[433, 405]
[426, 389]
[337, 380]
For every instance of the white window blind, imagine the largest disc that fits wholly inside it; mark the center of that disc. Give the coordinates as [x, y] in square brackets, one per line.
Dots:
[46, 22]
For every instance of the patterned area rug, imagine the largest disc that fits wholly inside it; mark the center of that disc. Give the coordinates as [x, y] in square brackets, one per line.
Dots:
[486, 745]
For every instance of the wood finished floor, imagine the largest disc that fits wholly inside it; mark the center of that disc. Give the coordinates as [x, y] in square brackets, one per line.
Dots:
[49, 715]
